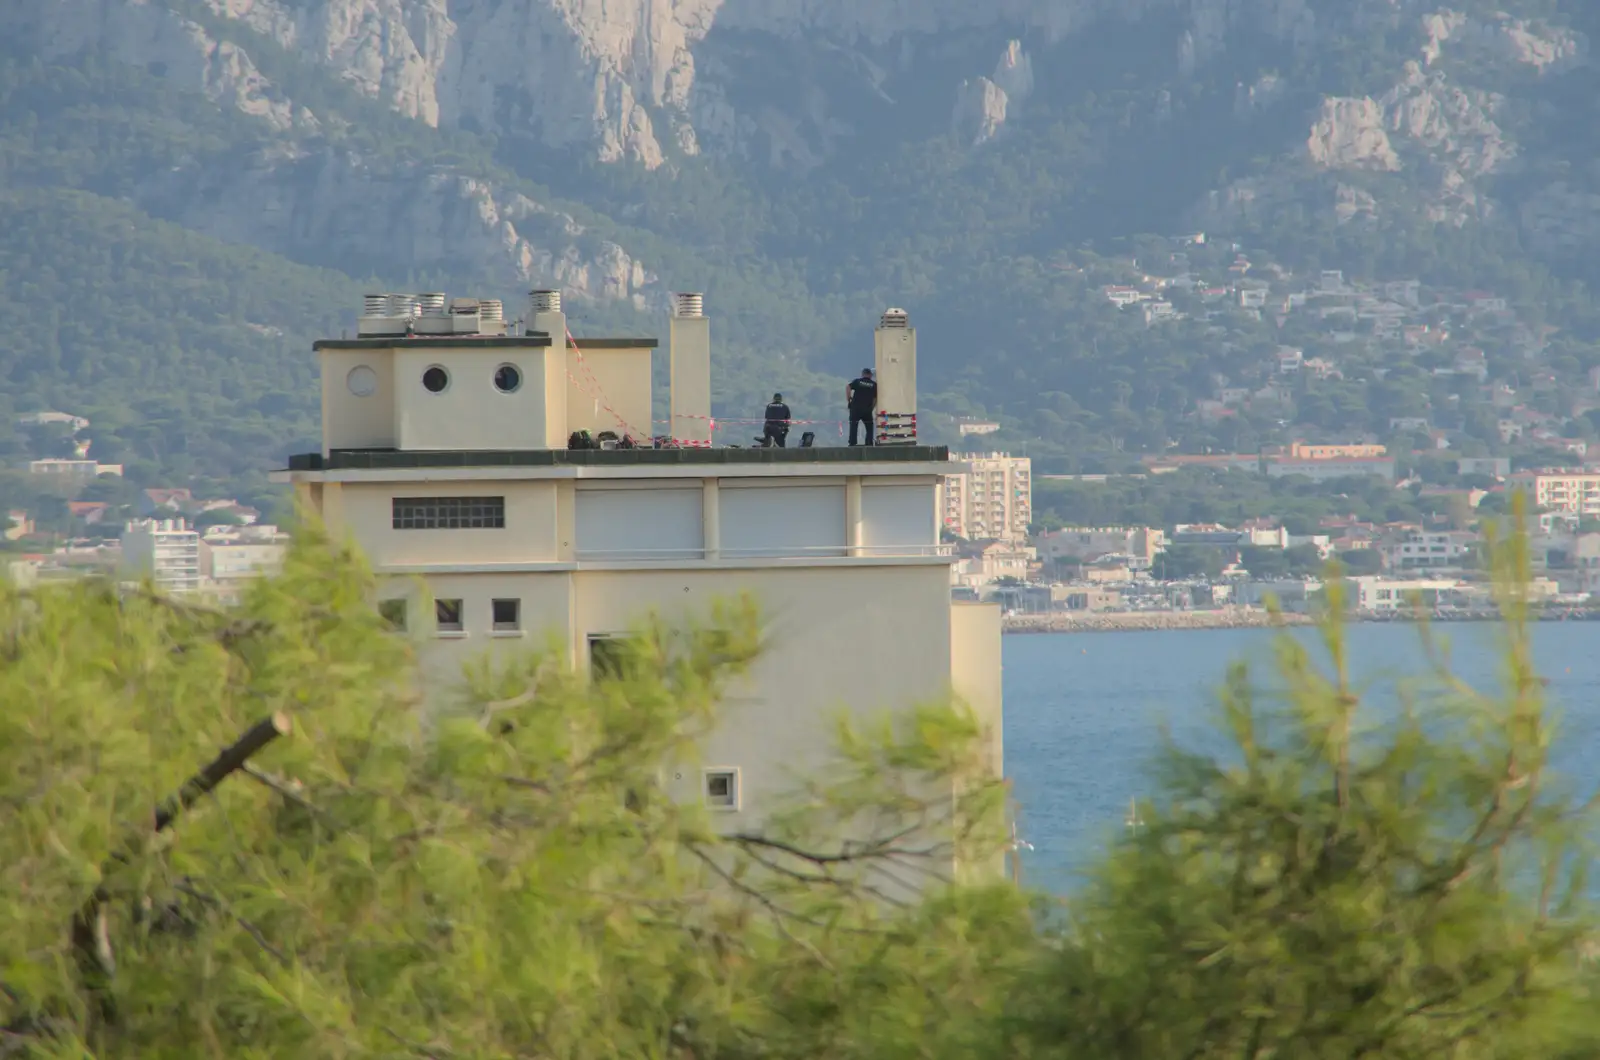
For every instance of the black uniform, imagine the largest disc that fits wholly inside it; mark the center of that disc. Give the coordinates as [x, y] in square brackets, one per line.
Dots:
[863, 402]
[777, 425]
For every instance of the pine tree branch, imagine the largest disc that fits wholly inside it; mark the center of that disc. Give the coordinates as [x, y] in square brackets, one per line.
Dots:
[91, 941]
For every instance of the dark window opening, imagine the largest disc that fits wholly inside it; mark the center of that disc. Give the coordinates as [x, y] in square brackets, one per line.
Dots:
[507, 378]
[393, 612]
[610, 657]
[506, 614]
[722, 788]
[447, 613]
[435, 379]
[449, 513]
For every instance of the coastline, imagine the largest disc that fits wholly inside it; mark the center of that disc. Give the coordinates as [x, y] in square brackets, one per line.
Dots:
[1149, 621]
[1240, 618]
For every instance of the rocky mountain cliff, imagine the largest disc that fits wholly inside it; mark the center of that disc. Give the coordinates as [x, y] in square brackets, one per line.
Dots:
[792, 85]
[808, 161]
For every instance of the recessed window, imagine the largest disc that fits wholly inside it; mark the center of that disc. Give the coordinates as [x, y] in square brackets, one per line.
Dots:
[435, 380]
[449, 513]
[506, 614]
[362, 381]
[507, 378]
[722, 789]
[393, 612]
[447, 615]
[609, 655]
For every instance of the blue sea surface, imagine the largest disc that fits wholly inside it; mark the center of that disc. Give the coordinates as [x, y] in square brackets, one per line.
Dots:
[1084, 714]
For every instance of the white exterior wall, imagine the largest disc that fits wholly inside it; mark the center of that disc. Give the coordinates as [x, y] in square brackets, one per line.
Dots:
[897, 516]
[777, 518]
[351, 421]
[895, 351]
[470, 413]
[622, 521]
[608, 390]
[366, 512]
[691, 379]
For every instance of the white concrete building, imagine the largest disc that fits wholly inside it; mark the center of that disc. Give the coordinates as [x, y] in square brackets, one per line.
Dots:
[991, 500]
[167, 551]
[231, 557]
[1421, 550]
[1373, 593]
[445, 454]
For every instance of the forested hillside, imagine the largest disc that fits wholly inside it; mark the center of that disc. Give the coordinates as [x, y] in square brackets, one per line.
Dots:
[192, 232]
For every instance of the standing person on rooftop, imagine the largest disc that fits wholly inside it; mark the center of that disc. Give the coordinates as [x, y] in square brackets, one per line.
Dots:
[861, 395]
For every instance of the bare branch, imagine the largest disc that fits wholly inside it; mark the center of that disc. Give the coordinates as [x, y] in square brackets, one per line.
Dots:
[91, 940]
[250, 929]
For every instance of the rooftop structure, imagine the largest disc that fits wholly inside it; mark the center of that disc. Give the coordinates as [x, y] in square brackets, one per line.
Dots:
[460, 456]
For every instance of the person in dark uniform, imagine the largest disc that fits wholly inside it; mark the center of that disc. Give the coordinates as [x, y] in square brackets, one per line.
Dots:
[862, 397]
[776, 430]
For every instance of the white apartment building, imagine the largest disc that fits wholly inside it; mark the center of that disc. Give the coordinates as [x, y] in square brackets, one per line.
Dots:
[231, 557]
[1373, 593]
[445, 455]
[992, 500]
[167, 551]
[1575, 492]
[1420, 550]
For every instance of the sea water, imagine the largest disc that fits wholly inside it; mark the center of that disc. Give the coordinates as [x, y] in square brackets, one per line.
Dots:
[1084, 714]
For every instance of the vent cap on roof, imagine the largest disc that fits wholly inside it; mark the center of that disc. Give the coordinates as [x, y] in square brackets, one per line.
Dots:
[432, 303]
[689, 304]
[894, 318]
[545, 301]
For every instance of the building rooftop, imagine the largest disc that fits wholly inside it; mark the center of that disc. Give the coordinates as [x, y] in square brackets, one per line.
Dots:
[535, 339]
[393, 459]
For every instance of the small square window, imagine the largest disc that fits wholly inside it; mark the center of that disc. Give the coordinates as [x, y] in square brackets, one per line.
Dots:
[507, 615]
[609, 656]
[722, 789]
[393, 612]
[447, 615]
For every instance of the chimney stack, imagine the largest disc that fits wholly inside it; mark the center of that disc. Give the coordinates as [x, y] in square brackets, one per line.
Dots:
[895, 347]
[545, 315]
[690, 341]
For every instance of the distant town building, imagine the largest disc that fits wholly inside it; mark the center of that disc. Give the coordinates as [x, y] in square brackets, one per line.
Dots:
[76, 470]
[1139, 543]
[1322, 469]
[167, 551]
[1577, 493]
[966, 427]
[40, 419]
[1421, 550]
[1493, 466]
[231, 557]
[1357, 450]
[992, 501]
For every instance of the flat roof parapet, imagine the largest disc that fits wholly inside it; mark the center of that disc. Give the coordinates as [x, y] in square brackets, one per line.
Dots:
[394, 459]
[532, 338]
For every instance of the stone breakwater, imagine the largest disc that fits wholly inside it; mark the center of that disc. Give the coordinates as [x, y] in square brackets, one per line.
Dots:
[1108, 621]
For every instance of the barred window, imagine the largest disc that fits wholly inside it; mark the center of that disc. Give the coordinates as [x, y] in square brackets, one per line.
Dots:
[449, 513]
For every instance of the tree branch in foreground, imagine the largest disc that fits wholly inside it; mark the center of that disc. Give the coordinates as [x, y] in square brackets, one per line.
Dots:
[91, 941]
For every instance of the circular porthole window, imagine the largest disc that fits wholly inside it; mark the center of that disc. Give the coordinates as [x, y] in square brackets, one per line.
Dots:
[435, 380]
[507, 378]
[362, 381]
